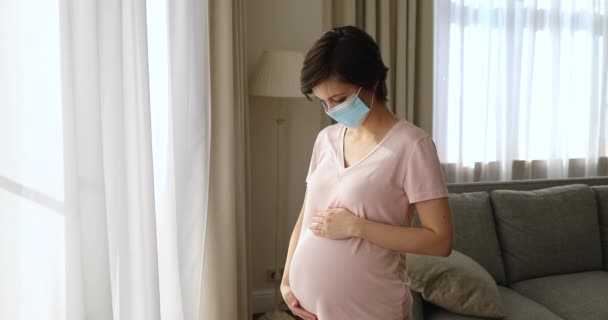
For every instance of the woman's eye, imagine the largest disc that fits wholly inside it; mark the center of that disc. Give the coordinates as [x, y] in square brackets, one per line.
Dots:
[340, 101]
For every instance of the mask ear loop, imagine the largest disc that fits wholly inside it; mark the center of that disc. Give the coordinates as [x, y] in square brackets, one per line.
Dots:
[373, 94]
[358, 91]
[372, 103]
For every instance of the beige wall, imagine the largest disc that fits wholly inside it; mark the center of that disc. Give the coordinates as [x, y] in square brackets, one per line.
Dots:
[296, 24]
[278, 24]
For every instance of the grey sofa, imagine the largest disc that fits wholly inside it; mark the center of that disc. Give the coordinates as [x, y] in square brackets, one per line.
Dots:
[547, 249]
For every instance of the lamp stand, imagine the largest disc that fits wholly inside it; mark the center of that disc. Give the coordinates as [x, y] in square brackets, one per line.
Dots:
[277, 313]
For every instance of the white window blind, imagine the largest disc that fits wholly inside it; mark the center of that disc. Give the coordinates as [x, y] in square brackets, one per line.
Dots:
[521, 89]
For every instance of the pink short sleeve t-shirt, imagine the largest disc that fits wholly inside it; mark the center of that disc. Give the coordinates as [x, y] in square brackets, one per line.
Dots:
[354, 278]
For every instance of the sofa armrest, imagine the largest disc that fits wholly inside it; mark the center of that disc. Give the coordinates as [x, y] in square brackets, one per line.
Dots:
[417, 308]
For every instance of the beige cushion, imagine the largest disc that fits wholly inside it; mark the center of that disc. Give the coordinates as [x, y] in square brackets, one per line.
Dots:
[456, 283]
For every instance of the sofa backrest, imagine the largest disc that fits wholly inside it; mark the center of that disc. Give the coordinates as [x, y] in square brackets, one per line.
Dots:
[475, 228]
[523, 184]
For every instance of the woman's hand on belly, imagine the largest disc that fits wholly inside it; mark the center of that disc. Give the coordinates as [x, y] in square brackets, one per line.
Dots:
[335, 223]
[294, 304]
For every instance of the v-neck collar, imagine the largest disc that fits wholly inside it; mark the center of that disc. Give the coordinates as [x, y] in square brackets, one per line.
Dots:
[341, 168]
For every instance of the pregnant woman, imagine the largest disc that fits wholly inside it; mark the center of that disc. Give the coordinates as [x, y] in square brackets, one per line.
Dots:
[367, 173]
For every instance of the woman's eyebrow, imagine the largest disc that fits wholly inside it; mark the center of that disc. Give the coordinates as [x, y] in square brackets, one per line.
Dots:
[337, 94]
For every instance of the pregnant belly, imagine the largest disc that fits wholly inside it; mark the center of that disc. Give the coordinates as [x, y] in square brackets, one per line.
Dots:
[352, 274]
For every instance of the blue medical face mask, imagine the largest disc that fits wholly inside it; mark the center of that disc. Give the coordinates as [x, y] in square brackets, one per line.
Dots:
[350, 113]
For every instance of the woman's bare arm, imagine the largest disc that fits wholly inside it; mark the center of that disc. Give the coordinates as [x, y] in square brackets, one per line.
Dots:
[434, 237]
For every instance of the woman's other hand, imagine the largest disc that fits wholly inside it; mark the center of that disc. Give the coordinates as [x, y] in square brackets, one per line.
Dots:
[294, 304]
[336, 223]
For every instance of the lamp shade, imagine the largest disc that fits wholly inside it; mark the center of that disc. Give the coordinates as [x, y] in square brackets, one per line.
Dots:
[277, 74]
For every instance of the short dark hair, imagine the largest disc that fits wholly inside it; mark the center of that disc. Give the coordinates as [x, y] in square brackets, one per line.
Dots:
[351, 55]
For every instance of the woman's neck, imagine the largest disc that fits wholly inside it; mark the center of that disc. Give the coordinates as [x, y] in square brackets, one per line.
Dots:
[378, 121]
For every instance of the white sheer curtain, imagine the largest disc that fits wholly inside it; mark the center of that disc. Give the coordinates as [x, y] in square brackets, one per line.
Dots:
[521, 89]
[104, 166]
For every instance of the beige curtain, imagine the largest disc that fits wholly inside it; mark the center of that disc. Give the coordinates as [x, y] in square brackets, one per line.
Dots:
[393, 24]
[225, 282]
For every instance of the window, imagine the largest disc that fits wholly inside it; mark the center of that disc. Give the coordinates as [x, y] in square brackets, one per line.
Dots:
[521, 89]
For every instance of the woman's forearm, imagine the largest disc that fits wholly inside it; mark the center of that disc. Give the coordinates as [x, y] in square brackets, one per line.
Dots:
[293, 242]
[404, 239]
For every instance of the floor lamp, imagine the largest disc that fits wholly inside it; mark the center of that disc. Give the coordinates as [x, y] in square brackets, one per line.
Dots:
[277, 75]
